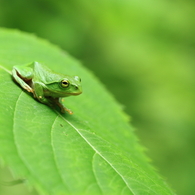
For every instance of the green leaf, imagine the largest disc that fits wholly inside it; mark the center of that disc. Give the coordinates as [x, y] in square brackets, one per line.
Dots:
[92, 151]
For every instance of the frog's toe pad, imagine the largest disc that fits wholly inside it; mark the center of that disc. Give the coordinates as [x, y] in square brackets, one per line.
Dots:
[29, 89]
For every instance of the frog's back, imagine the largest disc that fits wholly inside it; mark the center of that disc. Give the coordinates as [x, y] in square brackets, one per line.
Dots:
[44, 74]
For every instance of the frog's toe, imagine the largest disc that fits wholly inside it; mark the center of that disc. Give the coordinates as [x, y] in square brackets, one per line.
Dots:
[29, 89]
[69, 111]
[64, 110]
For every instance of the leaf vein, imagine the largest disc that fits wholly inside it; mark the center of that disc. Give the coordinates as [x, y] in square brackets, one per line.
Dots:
[96, 151]
[5, 69]
[16, 145]
[55, 159]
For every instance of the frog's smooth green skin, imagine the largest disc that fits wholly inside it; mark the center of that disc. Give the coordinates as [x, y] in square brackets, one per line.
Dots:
[48, 87]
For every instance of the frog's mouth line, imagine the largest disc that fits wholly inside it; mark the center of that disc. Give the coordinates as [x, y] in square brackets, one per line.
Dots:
[74, 93]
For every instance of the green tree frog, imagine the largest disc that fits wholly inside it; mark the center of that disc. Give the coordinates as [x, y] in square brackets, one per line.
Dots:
[47, 87]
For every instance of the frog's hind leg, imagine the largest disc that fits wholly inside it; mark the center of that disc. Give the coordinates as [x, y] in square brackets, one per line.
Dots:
[20, 81]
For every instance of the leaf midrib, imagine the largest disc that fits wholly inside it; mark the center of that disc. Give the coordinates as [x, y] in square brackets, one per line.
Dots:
[95, 150]
[103, 157]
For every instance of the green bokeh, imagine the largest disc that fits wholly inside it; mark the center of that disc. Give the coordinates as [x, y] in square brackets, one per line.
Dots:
[143, 51]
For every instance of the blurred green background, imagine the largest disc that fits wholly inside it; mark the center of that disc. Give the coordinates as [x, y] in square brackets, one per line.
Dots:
[144, 53]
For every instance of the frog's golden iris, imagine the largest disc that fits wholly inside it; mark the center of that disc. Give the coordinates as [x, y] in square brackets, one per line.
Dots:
[65, 83]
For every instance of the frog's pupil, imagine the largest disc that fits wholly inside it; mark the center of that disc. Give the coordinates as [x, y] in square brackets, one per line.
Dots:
[64, 83]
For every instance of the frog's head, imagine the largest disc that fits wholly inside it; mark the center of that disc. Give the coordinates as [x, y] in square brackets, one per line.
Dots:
[67, 86]
[71, 85]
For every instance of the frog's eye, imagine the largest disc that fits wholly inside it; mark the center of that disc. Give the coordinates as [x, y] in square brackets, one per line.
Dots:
[77, 78]
[64, 83]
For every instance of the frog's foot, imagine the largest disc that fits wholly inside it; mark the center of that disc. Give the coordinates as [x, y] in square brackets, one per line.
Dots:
[29, 89]
[64, 109]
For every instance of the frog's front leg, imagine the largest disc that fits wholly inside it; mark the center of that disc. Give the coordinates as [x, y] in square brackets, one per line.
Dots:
[39, 94]
[21, 82]
[63, 109]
